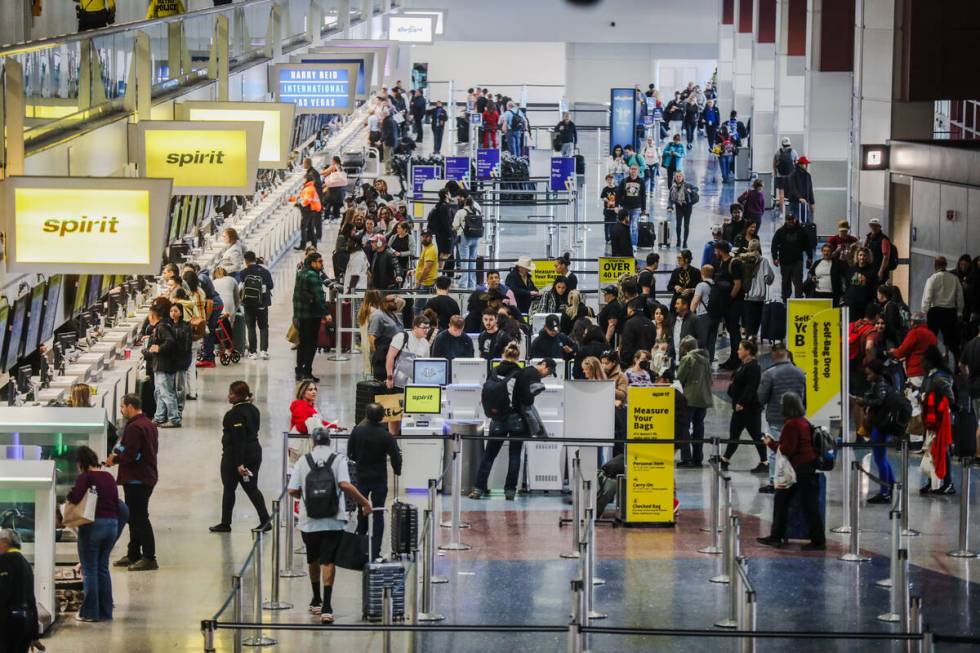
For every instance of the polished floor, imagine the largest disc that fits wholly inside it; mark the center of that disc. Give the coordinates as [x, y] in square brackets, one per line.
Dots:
[513, 574]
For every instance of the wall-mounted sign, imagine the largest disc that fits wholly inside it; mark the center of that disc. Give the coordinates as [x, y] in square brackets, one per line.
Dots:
[85, 225]
[874, 157]
[276, 119]
[622, 117]
[383, 57]
[363, 58]
[314, 87]
[439, 14]
[202, 158]
[411, 29]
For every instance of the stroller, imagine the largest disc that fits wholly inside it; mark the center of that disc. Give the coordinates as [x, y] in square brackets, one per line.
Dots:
[227, 353]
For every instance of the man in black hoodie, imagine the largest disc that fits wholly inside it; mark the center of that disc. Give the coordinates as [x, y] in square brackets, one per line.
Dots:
[638, 333]
[161, 352]
[790, 247]
[371, 446]
[619, 237]
[452, 342]
[418, 113]
[799, 190]
[552, 343]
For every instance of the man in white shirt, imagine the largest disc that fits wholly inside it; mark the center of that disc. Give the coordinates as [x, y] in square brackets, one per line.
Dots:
[400, 363]
[322, 535]
[942, 302]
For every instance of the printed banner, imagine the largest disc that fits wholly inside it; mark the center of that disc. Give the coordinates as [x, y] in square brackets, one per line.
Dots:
[562, 173]
[650, 467]
[420, 175]
[611, 268]
[544, 273]
[487, 163]
[394, 406]
[622, 117]
[458, 169]
[814, 340]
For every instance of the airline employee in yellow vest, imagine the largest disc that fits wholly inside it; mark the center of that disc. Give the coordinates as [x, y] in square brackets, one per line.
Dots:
[164, 8]
[93, 14]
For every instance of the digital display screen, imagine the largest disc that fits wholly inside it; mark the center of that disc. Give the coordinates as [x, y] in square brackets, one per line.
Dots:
[4, 321]
[34, 318]
[423, 399]
[431, 371]
[354, 60]
[51, 304]
[16, 332]
[94, 288]
[315, 87]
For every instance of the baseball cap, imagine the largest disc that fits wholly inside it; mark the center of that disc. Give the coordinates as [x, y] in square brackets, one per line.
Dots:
[550, 364]
[551, 322]
[786, 142]
[803, 161]
[610, 290]
[874, 221]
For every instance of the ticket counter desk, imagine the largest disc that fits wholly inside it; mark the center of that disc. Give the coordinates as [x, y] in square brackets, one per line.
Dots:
[27, 504]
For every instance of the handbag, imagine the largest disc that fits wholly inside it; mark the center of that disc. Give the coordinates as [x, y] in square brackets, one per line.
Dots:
[83, 512]
[292, 335]
[352, 552]
[199, 328]
[784, 476]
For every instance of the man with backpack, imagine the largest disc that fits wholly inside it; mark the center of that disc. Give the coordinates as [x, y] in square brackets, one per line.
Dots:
[884, 257]
[725, 301]
[319, 479]
[256, 291]
[783, 164]
[468, 225]
[888, 414]
[791, 247]
[515, 123]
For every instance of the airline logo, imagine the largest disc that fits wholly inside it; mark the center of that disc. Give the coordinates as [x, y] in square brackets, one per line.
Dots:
[198, 157]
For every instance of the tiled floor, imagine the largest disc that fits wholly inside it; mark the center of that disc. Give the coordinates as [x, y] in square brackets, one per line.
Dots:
[513, 575]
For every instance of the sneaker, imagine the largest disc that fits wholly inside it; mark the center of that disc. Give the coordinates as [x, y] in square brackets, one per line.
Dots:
[315, 606]
[510, 494]
[926, 489]
[159, 422]
[774, 542]
[266, 527]
[880, 498]
[204, 364]
[79, 617]
[252, 356]
[144, 564]
[122, 562]
[814, 546]
[264, 355]
[168, 425]
[761, 468]
[220, 528]
[191, 397]
[946, 489]
[767, 489]
[475, 494]
[326, 616]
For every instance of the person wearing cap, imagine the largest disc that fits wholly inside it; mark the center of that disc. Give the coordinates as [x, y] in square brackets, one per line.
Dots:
[780, 377]
[563, 267]
[841, 242]
[917, 340]
[684, 278]
[383, 271]
[620, 242]
[639, 332]
[708, 256]
[551, 342]
[632, 196]
[519, 281]
[753, 202]
[881, 250]
[791, 248]
[309, 307]
[783, 164]
[727, 298]
[799, 191]
[427, 267]
[611, 317]
[942, 302]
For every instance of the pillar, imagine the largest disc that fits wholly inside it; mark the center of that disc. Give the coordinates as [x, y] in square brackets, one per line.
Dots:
[726, 57]
[790, 71]
[764, 87]
[742, 65]
[828, 115]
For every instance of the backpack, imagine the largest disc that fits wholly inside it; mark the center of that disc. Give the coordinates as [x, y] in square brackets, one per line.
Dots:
[253, 291]
[893, 259]
[184, 339]
[784, 162]
[896, 413]
[750, 264]
[856, 335]
[824, 446]
[517, 121]
[495, 396]
[473, 224]
[320, 489]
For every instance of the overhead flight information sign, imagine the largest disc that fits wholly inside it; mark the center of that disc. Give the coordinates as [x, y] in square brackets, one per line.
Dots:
[316, 87]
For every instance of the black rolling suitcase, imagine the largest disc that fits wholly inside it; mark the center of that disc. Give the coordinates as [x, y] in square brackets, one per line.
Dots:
[364, 394]
[646, 235]
[375, 578]
[579, 164]
[480, 270]
[404, 527]
[773, 321]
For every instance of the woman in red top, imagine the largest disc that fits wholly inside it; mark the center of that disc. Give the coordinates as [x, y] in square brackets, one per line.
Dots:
[490, 119]
[796, 443]
[304, 408]
[95, 540]
[917, 340]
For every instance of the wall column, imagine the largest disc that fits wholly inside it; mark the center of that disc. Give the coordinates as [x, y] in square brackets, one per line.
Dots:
[742, 66]
[726, 58]
[790, 71]
[764, 88]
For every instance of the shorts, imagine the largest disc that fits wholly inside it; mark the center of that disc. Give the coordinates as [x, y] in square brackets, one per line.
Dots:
[321, 546]
[779, 183]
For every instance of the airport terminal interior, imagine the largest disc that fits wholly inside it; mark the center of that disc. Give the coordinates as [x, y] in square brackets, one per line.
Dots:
[640, 325]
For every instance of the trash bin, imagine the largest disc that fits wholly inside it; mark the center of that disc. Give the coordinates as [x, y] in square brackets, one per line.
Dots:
[472, 453]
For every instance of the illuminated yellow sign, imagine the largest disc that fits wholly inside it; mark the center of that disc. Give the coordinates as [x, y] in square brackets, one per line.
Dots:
[423, 400]
[276, 119]
[202, 158]
[650, 467]
[85, 225]
[544, 273]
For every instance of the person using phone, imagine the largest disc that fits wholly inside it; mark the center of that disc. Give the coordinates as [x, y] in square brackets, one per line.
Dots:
[241, 457]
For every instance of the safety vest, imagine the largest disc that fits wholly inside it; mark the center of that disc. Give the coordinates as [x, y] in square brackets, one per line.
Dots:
[309, 198]
[97, 5]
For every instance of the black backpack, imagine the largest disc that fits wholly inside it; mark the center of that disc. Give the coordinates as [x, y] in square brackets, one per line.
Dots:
[253, 291]
[824, 446]
[784, 162]
[893, 259]
[473, 224]
[517, 121]
[320, 490]
[495, 395]
[896, 412]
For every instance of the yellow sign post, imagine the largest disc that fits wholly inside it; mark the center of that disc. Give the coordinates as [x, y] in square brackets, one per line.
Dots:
[544, 273]
[612, 268]
[650, 467]
[814, 340]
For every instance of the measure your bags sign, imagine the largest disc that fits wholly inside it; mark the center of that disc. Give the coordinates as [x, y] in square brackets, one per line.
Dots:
[650, 467]
[611, 268]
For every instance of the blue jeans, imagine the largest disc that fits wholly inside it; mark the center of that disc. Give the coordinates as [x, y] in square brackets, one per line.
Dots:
[95, 541]
[210, 340]
[568, 149]
[726, 161]
[651, 177]
[514, 142]
[165, 393]
[510, 425]
[880, 455]
[635, 225]
[467, 250]
[377, 493]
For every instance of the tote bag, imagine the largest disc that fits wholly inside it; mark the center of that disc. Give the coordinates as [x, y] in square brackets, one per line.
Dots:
[83, 512]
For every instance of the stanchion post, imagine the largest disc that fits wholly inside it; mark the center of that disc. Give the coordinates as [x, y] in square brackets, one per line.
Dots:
[274, 603]
[338, 355]
[288, 571]
[715, 547]
[454, 544]
[207, 630]
[854, 550]
[590, 524]
[238, 607]
[847, 453]
[747, 644]
[898, 596]
[428, 568]
[430, 538]
[906, 531]
[258, 639]
[575, 635]
[915, 623]
[734, 584]
[895, 528]
[963, 550]
[728, 546]
[387, 612]
[576, 508]
[588, 572]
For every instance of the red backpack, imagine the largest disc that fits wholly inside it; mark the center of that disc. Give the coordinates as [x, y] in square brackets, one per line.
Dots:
[856, 337]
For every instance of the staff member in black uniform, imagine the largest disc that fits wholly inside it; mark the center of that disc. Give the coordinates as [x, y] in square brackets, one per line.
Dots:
[18, 608]
[241, 456]
[371, 446]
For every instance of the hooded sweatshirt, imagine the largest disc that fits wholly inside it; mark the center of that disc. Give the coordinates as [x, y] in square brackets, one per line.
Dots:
[694, 373]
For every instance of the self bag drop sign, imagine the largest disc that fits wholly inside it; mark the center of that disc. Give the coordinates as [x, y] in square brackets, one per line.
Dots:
[84, 225]
[202, 157]
[814, 339]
